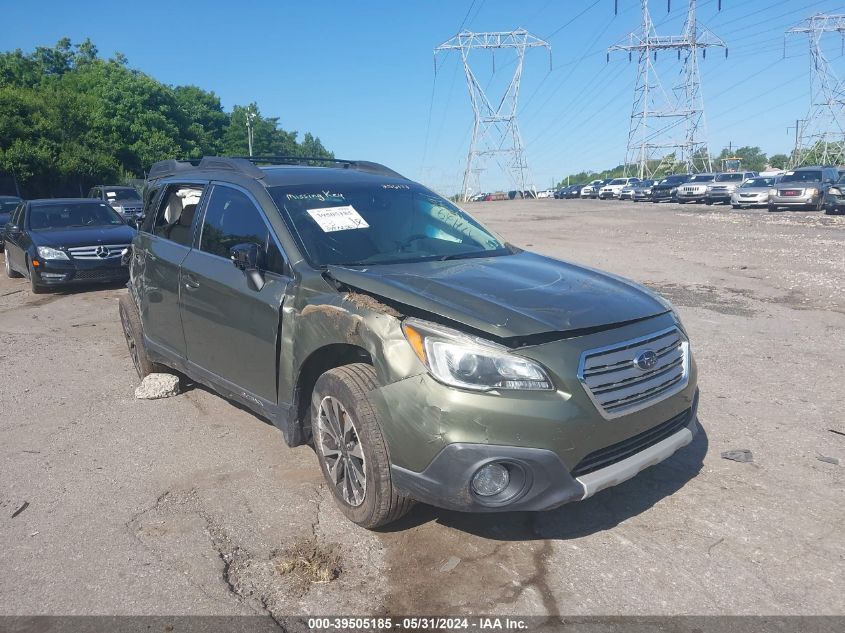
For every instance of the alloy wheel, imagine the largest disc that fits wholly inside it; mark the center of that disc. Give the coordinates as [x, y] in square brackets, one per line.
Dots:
[341, 451]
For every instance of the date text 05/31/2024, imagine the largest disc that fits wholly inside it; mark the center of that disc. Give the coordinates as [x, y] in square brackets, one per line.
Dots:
[417, 623]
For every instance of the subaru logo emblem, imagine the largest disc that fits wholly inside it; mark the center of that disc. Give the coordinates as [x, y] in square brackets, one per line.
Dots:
[645, 360]
[102, 252]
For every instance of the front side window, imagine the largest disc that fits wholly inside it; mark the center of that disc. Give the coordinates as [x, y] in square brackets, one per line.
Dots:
[381, 223]
[702, 178]
[231, 219]
[44, 217]
[175, 214]
[729, 178]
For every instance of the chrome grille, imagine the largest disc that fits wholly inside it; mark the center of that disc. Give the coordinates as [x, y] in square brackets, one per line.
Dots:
[617, 386]
[105, 252]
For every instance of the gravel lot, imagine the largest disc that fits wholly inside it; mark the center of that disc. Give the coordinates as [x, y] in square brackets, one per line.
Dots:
[192, 505]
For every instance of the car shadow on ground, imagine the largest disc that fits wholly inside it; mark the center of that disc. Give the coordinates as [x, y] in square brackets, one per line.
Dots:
[602, 512]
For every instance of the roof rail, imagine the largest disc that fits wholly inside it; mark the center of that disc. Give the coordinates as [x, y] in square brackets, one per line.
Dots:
[247, 165]
[359, 165]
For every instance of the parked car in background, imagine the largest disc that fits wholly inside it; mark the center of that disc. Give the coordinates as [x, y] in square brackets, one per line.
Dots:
[125, 200]
[695, 189]
[724, 185]
[545, 193]
[7, 205]
[56, 242]
[754, 192]
[666, 189]
[834, 199]
[802, 188]
[613, 188]
[642, 190]
[560, 193]
[587, 191]
[478, 197]
[594, 192]
[341, 302]
[574, 191]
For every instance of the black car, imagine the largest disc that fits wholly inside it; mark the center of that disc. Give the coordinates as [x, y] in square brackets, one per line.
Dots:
[663, 189]
[7, 205]
[63, 241]
[574, 191]
[834, 198]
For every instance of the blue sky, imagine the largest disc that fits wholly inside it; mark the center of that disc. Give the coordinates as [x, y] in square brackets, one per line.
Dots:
[360, 75]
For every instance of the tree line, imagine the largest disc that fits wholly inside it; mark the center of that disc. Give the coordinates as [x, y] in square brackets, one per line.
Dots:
[70, 119]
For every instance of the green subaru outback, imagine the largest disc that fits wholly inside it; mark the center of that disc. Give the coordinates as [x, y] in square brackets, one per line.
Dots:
[423, 357]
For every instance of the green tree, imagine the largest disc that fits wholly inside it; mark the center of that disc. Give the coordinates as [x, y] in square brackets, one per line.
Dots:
[753, 159]
[69, 118]
[779, 161]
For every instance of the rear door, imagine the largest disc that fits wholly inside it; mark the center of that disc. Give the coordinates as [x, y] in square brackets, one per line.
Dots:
[231, 329]
[162, 244]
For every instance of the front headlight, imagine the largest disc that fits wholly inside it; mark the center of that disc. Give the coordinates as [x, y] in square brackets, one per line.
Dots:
[467, 362]
[811, 191]
[773, 192]
[46, 252]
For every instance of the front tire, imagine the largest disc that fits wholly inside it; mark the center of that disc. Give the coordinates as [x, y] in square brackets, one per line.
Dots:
[34, 286]
[351, 449]
[134, 335]
[10, 273]
[772, 208]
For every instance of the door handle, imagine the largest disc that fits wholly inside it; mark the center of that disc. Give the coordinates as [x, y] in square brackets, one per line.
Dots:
[191, 283]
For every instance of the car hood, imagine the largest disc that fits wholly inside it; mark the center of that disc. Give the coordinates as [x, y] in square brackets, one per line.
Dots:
[509, 296]
[753, 189]
[84, 236]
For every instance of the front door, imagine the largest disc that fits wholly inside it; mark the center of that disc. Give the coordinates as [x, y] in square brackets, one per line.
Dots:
[162, 244]
[231, 328]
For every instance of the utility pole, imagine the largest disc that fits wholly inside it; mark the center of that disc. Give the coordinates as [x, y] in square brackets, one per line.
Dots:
[495, 132]
[658, 114]
[250, 115]
[821, 135]
[797, 128]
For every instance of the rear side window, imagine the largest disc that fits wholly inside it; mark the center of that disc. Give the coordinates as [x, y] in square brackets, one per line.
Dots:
[175, 213]
[232, 218]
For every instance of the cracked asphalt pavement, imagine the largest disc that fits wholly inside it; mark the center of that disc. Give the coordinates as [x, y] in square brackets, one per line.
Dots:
[187, 505]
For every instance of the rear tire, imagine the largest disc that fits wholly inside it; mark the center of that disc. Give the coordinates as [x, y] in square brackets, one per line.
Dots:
[134, 335]
[349, 443]
[10, 272]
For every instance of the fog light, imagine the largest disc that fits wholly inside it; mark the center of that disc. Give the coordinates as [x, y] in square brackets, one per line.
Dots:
[490, 480]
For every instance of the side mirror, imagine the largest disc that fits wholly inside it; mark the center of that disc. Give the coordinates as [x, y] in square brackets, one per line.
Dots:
[13, 229]
[249, 258]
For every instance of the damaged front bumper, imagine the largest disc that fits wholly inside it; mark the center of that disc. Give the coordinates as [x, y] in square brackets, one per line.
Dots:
[539, 480]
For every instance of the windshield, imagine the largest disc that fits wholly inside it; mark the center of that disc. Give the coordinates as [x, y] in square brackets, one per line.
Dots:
[618, 181]
[702, 178]
[72, 214]
[729, 178]
[364, 224]
[7, 205]
[757, 182]
[123, 193]
[671, 180]
[801, 176]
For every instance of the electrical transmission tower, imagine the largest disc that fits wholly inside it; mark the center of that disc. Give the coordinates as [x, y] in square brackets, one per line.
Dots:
[494, 132]
[667, 129]
[821, 134]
